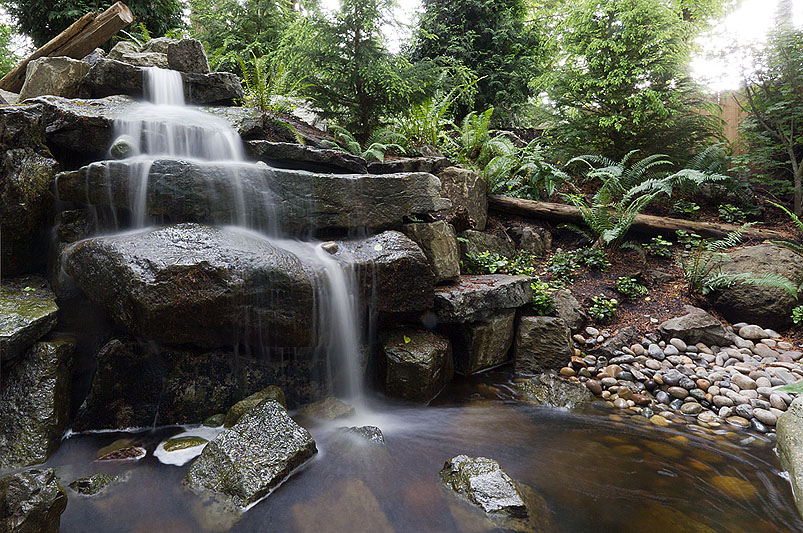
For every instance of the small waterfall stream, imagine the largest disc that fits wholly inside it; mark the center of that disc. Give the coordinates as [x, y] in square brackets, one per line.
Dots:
[166, 128]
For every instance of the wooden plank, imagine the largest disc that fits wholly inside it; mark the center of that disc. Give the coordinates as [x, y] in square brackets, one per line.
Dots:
[643, 223]
[80, 38]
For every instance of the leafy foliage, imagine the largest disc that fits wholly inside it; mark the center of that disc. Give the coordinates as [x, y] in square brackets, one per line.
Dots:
[659, 247]
[543, 302]
[379, 142]
[594, 258]
[264, 81]
[8, 59]
[522, 172]
[797, 315]
[702, 267]
[493, 263]
[630, 288]
[603, 308]
[686, 208]
[42, 20]
[774, 126]
[621, 80]
[730, 213]
[562, 266]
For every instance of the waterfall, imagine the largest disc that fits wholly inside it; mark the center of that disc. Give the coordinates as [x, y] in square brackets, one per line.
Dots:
[166, 128]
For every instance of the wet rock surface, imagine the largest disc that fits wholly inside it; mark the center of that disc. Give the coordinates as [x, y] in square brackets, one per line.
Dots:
[483, 344]
[542, 343]
[92, 485]
[370, 434]
[35, 395]
[246, 462]
[237, 410]
[475, 298]
[298, 156]
[193, 284]
[28, 311]
[31, 501]
[551, 390]
[790, 448]
[294, 201]
[136, 385]
[482, 482]
[432, 165]
[417, 363]
[109, 77]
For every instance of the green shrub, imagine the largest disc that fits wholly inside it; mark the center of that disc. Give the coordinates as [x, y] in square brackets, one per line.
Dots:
[797, 315]
[594, 258]
[659, 247]
[603, 308]
[630, 288]
[562, 266]
[493, 263]
[686, 208]
[730, 213]
[543, 302]
[688, 240]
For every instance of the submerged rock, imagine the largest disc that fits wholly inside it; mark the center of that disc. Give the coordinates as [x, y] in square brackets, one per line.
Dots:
[480, 297]
[371, 434]
[138, 385]
[484, 344]
[330, 408]
[243, 406]
[768, 306]
[552, 390]
[417, 364]
[193, 284]
[28, 312]
[542, 343]
[292, 201]
[696, 326]
[31, 501]
[349, 505]
[110, 77]
[89, 486]
[183, 443]
[790, 448]
[246, 462]
[482, 482]
[35, 403]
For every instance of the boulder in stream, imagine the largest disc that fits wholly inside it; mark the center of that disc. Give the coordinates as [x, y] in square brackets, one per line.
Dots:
[31, 502]
[35, 395]
[790, 448]
[237, 410]
[482, 482]
[252, 458]
[551, 390]
[417, 363]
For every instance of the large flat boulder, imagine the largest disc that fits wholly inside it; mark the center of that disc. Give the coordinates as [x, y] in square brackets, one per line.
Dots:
[303, 157]
[31, 501]
[392, 272]
[199, 285]
[59, 76]
[483, 344]
[475, 298]
[790, 448]
[35, 397]
[432, 165]
[292, 201]
[28, 311]
[769, 306]
[244, 463]
[417, 363]
[542, 343]
[137, 384]
[696, 326]
[109, 77]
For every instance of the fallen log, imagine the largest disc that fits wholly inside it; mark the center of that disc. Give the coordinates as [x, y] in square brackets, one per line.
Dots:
[643, 223]
[83, 36]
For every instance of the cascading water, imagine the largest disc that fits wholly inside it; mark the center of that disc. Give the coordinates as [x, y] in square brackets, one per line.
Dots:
[165, 128]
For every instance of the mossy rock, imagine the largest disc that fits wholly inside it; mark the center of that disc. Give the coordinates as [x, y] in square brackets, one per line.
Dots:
[215, 421]
[237, 410]
[182, 443]
[89, 486]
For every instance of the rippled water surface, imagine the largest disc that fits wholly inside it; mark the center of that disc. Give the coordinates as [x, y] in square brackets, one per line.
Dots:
[593, 471]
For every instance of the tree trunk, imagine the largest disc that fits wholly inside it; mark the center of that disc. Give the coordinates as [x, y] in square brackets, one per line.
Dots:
[643, 223]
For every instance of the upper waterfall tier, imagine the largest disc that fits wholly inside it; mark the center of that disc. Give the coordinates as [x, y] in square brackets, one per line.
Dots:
[256, 196]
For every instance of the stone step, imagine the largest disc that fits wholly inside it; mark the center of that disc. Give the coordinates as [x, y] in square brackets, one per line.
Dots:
[475, 298]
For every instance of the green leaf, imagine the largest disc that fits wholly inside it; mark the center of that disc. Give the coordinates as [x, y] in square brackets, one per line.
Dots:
[406, 339]
[794, 388]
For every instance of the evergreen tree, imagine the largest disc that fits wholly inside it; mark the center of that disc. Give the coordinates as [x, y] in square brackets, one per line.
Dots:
[346, 67]
[489, 37]
[44, 19]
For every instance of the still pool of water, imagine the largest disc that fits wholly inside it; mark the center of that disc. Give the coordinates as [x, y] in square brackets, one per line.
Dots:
[592, 472]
